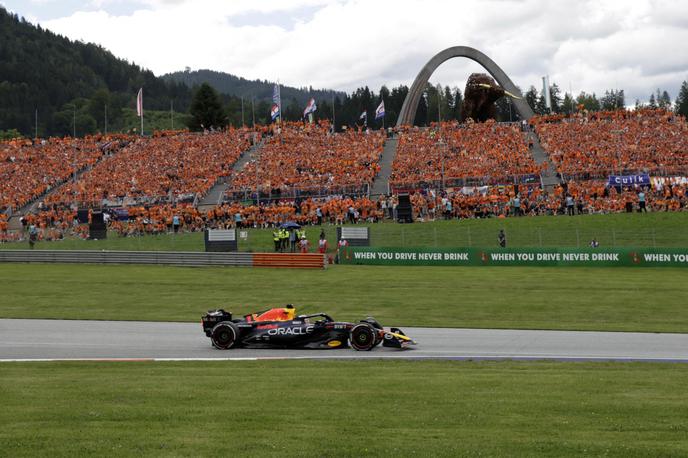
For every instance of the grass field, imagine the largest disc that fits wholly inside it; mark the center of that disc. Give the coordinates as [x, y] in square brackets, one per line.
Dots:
[616, 230]
[619, 299]
[340, 409]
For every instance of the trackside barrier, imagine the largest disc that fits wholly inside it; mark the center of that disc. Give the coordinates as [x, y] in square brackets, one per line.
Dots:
[175, 258]
[305, 261]
[557, 257]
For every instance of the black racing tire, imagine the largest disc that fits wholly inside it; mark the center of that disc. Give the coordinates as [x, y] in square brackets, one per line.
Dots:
[374, 323]
[363, 337]
[224, 335]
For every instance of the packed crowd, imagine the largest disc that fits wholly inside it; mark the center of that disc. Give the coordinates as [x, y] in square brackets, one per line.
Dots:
[588, 197]
[56, 222]
[171, 167]
[488, 153]
[308, 156]
[131, 172]
[615, 142]
[30, 168]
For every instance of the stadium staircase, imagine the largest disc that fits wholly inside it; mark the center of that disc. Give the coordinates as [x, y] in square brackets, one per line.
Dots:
[381, 184]
[14, 224]
[214, 196]
[548, 178]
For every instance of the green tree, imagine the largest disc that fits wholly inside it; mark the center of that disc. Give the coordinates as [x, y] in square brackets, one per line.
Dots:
[555, 98]
[541, 105]
[458, 104]
[589, 101]
[567, 106]
[652, 103]
[682, 100]
[532, 98]
[613, 100]
[206, 109]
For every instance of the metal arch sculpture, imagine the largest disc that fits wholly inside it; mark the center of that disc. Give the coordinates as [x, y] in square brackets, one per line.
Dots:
[410, 106]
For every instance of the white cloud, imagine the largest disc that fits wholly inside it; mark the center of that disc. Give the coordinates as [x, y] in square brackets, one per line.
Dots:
[590, 45]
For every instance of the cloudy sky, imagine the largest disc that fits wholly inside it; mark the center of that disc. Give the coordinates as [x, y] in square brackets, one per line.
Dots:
[635, 45]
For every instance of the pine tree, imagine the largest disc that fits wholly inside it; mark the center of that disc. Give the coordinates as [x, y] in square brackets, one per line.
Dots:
[532, 98]
[555, 98]
[567, 104]
[652, 103]
[682, 100]
[206, 109]
[541, 105]
[458, 104]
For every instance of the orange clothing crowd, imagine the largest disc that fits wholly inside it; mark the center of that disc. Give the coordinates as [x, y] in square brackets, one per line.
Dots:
[487, 152]
[307, 156]
[615, 142]
[158, 168]
[28, 169]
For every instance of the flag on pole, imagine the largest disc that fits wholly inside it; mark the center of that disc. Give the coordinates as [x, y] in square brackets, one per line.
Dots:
[380, 110]
[310, 108]
[364, 115]
[274, 112]
[139, 103]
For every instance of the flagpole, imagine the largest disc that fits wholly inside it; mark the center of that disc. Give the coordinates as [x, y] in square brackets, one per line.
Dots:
[383, 115]
[142, 112]
[36, 132]
[279, 93]
[242, 111]
[172, 114]
[253, 112]
[105, 123]
[334, 124]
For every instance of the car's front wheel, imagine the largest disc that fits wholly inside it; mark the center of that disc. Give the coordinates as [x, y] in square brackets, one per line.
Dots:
[362, 337]
[224, 335]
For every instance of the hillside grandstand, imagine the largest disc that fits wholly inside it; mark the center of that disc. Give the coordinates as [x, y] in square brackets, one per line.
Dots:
[305, 173]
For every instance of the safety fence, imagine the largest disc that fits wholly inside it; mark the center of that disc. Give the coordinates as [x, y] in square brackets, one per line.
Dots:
[179, 258]
[554, 257]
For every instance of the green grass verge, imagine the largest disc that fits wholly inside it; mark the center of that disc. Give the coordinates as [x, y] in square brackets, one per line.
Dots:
[618, 299]
[616, 230]
[342, 409]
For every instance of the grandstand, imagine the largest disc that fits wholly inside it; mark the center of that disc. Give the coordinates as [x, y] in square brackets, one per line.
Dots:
[469, 154]
[307, 174]
[300, 159]
[30, 169]
[650, 141]
[172, 168]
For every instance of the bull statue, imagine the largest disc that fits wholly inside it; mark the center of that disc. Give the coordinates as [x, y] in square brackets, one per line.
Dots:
[480, 96]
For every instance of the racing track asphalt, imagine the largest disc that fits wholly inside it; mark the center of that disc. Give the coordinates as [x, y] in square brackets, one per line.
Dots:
[73, 339]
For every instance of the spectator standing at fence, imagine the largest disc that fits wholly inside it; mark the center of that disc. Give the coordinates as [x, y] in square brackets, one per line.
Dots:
[293, 240]
[176, 223]
[517, 205]
[319, 215]
[322, 243]
[641, 202]
[569, 204]
[304, 245]
[501, 238]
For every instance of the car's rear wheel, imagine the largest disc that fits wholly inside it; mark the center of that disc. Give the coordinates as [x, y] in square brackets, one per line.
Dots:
[362, 337]
[224, 335]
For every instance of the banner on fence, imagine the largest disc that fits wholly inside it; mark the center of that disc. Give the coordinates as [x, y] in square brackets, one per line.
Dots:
[641, 257]
[628, 180]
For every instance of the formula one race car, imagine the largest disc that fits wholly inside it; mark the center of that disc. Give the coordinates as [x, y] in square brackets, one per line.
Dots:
[282, 328]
